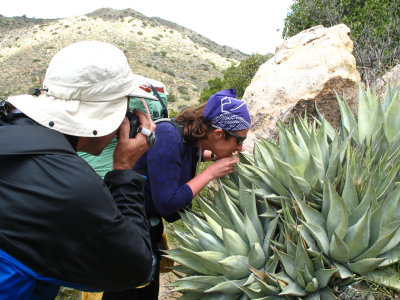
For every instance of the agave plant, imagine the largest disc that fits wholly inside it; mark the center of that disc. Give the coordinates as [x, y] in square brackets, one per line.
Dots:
[302, 218]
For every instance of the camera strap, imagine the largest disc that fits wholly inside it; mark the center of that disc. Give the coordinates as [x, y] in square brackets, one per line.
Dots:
[32, 139]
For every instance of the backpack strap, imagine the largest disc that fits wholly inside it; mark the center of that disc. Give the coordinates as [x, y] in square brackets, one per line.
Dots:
[32, 139]
[164, 112]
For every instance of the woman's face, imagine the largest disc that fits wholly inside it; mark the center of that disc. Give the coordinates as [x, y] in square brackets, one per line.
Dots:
[224, 144]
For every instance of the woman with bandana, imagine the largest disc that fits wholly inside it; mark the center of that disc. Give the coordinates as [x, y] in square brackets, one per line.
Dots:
[215, 131]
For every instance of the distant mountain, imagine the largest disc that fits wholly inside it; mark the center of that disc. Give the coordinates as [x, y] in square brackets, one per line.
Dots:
[181, 58]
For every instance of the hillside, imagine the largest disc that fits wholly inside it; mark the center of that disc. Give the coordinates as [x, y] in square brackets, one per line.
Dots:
[155, 48]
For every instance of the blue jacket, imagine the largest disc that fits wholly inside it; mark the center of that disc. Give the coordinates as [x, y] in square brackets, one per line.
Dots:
[168, 166]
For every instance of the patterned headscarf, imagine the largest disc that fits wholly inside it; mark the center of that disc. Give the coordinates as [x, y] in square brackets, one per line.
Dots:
[224, 111]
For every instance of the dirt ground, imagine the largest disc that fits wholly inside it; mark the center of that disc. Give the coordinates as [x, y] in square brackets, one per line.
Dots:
[165, 291]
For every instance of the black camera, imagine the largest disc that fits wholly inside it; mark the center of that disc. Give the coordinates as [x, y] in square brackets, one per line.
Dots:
[133, 123]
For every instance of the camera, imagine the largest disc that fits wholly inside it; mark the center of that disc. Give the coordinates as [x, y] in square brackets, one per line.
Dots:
[133, 123]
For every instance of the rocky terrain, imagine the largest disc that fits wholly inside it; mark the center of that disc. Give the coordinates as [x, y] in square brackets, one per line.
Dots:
[182, 59]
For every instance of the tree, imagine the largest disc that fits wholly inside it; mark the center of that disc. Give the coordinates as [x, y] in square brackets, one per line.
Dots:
[237, 77]
[374, 25]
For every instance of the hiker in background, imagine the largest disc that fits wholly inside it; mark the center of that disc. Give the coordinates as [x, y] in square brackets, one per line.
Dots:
[60, 223]
[214, 131]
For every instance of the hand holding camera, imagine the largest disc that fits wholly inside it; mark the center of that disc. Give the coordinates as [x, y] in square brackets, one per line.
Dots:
[132, 145]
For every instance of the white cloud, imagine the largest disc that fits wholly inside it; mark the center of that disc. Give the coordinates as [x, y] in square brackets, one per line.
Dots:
[250, 26]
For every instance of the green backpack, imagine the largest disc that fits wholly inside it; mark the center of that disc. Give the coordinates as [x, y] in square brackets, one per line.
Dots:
[156, 100]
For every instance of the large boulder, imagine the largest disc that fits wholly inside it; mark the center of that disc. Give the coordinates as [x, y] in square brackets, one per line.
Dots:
[306, 70]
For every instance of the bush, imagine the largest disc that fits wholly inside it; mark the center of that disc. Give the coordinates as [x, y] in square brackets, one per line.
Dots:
[238, 77]
[374, 25]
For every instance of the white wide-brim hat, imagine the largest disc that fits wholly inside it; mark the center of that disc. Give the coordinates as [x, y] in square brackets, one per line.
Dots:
[87, 87]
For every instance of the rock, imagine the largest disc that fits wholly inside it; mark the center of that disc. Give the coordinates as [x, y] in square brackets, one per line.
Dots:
[307, 68]
[392, 77]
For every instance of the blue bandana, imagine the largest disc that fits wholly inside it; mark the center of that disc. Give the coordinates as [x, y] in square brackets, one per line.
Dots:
[224, 111]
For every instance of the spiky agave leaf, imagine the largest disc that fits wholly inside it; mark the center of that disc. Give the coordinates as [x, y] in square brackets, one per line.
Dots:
[305, 217]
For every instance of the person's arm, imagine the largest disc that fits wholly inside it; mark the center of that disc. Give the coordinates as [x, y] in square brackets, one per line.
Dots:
[218, 169]
[166, 174]
[165, 167]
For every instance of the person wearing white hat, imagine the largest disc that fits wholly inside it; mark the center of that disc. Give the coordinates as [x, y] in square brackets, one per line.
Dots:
[60, 223]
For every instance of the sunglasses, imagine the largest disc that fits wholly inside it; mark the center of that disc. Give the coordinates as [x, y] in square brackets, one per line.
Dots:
[239, 139]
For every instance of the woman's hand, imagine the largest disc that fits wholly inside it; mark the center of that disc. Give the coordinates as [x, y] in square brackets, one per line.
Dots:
[222, 167]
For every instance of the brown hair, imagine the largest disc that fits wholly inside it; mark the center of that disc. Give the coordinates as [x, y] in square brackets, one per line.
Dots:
[194, 126]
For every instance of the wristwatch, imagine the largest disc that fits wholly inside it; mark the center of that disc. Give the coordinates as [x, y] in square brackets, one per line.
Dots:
[150, 136]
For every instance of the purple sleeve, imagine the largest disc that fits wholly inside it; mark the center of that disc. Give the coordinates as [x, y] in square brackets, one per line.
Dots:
[165, 167]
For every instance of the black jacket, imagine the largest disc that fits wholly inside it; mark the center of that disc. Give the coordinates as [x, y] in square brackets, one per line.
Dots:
[59, 218]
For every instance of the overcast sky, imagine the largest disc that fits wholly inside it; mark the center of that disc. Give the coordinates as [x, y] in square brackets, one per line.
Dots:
[251, 26]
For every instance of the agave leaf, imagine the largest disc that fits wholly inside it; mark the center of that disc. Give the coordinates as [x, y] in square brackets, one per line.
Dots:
[300, 278]
[391, 203]
[333, 166]
[376, 222]
[209, 241]
[252, 291]
[311, 215]
[245, 158]
[219, 296]
[191, 296]
[256, 256]
[235, 267]
[378, 247]
[312, 286]
[252, 174]
[327, 294]
[288, 262]
[190, 261]
[198, 222]
[387, 277]
[338, 249]
[248, 205]
[305, 234]
[303, 144]
[357, 237]
[364, 205]
[261, 155]
[302, 260]
[326, 203]
[293, 289]
[187, 240]
[295, 157]
[233, 194]
[366, 265]
[227, 287]
[209, 259]
[234, 244]
[390, 91]
[337, 220]
[314, 171]
[252, 235]
[395, 240]
[266, 289]
[324, 276]
[392, 122]
[195, 283]
[366, 114]
[300, 184]
[282, 170]
[319, 235]
[216, 214]
[348, 122]
[349, 195]
[235, 216]
[392, 256]
[270, 232]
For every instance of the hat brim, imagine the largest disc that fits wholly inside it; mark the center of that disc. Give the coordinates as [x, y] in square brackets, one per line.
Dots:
[73, 117]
